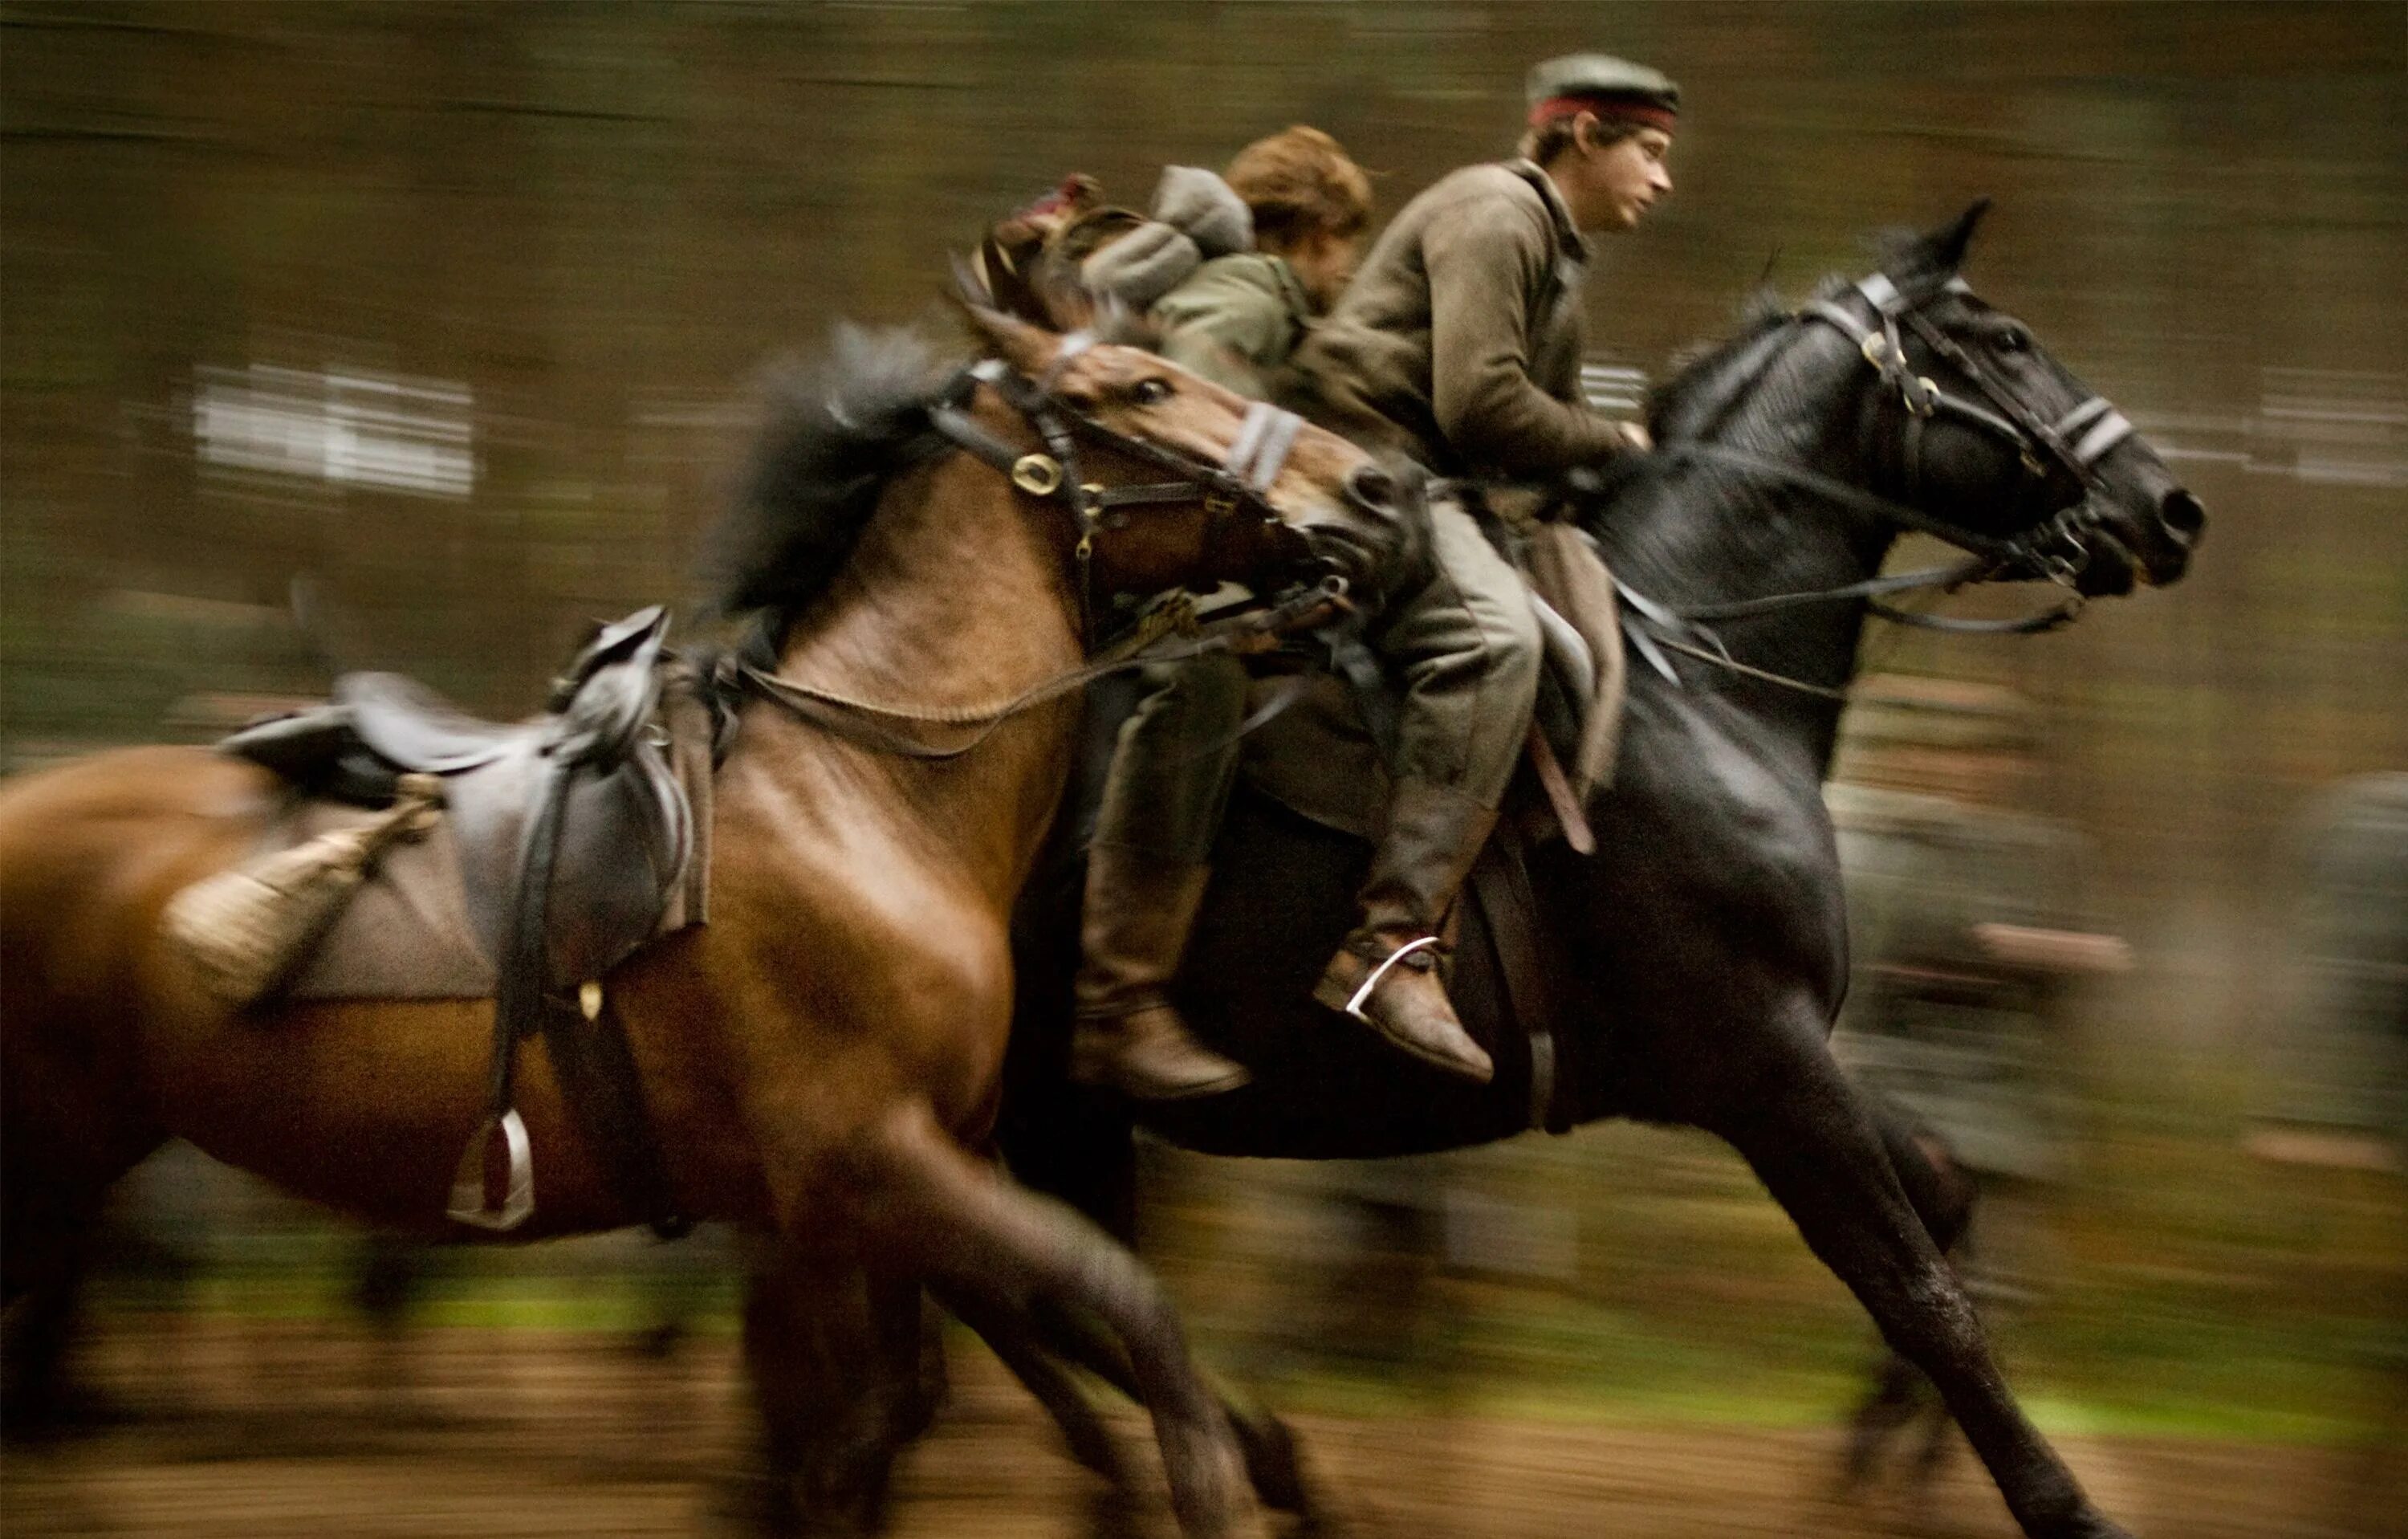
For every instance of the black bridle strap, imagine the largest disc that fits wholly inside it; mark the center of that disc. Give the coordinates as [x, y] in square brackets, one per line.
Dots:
[1830, 488]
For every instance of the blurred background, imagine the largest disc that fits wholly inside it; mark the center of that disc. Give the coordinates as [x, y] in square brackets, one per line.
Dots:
[430, 323]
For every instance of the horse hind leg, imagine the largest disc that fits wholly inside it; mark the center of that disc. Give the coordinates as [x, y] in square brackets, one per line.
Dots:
[929, 1210]
[1818, 1149]
[54, 1181]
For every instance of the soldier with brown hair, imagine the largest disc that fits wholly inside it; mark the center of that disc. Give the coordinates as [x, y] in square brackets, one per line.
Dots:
[1233, 310]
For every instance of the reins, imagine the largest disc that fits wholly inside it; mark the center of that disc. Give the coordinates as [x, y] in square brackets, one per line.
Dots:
[864, 720]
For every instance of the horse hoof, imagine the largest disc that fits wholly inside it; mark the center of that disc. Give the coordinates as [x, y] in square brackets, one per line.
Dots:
[1208, 1486]
[1274, 1463]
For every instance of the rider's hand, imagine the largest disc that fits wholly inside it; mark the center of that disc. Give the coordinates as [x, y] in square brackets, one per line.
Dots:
[1636, 438]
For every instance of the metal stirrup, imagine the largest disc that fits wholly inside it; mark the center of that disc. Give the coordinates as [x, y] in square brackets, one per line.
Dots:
[1355, 1005]
[468, 1182]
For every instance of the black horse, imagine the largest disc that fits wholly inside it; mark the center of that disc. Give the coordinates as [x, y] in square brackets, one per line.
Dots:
[1690, 968]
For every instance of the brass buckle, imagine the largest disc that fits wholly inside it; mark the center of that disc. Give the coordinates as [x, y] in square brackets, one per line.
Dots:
[1220, 504]
[1038, 475]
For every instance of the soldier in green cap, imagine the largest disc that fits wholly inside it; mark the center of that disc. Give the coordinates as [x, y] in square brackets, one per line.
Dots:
[1459, 343]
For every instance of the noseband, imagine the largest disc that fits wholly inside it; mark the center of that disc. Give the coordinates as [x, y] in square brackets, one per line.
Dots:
[1234, 492]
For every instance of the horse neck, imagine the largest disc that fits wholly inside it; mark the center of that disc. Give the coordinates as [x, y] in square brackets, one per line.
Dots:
[1702, 534]
[955, 599]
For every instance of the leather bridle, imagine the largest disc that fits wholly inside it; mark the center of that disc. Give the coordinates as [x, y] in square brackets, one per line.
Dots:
[1234, 492]
[2055, 548]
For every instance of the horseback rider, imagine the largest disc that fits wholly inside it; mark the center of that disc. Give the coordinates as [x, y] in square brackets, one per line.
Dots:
[1459, 343]
[1233, 310]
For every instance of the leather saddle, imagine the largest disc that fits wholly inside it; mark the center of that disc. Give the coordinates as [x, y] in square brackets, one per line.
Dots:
[573, 832]
[585, 795]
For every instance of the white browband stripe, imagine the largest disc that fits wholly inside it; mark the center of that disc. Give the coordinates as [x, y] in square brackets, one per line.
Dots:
[1276, 445]
[1250, 440]
[2073, 421]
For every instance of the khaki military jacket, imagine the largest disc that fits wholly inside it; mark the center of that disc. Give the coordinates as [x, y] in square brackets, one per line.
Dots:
[1235, 321]
[1459, 341]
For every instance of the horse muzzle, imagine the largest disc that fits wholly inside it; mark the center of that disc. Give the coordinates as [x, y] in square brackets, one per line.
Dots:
[1365, 536]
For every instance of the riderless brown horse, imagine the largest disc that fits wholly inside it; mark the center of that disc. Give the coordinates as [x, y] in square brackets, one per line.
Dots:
[821, 1061]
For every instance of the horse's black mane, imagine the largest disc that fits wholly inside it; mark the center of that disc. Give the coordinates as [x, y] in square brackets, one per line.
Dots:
[1692, 397]
[834, 429]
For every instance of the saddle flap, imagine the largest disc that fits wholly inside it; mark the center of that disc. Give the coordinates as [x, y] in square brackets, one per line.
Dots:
[318, 751]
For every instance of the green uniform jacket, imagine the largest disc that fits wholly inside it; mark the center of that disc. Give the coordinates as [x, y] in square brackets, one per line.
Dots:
[1459, 341]
[1235, 321]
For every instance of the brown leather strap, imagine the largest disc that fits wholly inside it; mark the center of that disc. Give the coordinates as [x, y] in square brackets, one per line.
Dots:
[1559, 792]
[1501, 882]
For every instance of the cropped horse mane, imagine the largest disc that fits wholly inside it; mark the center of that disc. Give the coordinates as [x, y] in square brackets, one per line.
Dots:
[835, 428]
[1699, 384]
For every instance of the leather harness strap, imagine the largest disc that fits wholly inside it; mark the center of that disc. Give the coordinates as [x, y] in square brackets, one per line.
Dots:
[2054, 549]
[1237, 488]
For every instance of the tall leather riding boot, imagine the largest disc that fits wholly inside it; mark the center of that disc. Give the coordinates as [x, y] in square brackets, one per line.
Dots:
[1386, 972]
[1139, 908]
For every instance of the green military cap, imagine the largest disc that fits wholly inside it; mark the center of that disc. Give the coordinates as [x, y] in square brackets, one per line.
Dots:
[1605, 85]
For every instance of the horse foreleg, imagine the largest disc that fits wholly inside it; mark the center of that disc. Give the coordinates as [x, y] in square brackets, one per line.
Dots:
[1273, 1454]
[834, 1359]
[1943, 1197]
[1815, 1147]
[1013, 1337]
[929, 1210]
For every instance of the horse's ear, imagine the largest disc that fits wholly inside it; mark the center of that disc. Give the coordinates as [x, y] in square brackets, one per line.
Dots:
[1948, 246]
[1027, 348]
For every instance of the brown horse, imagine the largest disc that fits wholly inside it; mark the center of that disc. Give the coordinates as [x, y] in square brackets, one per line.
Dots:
[821, 1060]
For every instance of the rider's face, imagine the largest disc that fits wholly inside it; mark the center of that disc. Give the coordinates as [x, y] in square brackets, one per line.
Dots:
[1323, 263]
[1626, 179]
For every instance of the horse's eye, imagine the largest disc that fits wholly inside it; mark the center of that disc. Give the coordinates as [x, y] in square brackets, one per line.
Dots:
[2014, 339]
[1150, 392]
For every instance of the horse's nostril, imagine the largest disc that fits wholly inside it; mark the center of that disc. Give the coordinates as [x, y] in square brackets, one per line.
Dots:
[1373, 487]
[2185, 515]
